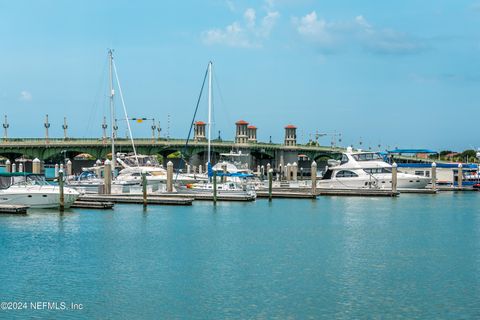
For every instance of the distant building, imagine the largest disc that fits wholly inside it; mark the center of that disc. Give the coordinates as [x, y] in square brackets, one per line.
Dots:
[199, 131]
[290, 135]
[252, 134]
[241, 135]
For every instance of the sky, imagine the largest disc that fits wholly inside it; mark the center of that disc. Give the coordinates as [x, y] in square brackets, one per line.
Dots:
[392, 74]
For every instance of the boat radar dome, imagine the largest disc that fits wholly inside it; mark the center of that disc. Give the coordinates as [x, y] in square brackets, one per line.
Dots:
[349, 149]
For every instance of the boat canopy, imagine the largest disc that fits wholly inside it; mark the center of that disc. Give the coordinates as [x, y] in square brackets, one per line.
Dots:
[412, 151]
[233, 174]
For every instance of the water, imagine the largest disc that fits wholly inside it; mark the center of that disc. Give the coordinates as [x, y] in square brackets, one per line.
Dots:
[417, 256]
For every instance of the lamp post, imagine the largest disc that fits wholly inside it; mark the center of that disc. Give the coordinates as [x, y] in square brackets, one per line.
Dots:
[5, 129]
[104, 129]
[153, 130]
[64, 127]
[159, 130]
[46, 125]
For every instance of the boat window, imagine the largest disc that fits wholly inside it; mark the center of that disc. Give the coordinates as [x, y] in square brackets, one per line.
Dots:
[377, 170]
[419, 173]
[344, 159]
[367, 156]
[346, 174]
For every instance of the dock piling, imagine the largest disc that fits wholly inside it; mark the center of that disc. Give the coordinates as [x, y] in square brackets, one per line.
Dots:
[170, 176]
[14, 167]
[215, 187]
[144, 189]
[460, 176]
[107, 176]
[434, 176]
[62, 195]
[314, 177]
[394, 177]
[8, 166]
[69, 168]
[270, 183]
[36, 166]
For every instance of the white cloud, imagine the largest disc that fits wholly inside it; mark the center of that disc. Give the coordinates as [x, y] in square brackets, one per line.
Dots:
[249, 33]
[25, 96]
[337, 35]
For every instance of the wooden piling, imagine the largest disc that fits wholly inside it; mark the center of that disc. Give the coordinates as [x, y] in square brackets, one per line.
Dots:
[270, 183]
[107, 177]
[61, 186]
[394, 177]
[460, 176]
[314, 177]
[69, 168]
[8, 166]
[214, 187]
[36, 166]
[434, 176]
[144, 188]
[170, 176]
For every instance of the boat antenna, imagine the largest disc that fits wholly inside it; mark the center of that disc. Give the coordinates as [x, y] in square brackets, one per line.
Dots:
[209, 109]
[112, 106]
[125, 112]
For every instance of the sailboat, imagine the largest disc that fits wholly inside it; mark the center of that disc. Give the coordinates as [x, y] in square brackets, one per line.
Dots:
[223, 188]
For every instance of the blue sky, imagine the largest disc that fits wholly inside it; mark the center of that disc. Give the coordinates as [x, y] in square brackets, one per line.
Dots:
[395, 73]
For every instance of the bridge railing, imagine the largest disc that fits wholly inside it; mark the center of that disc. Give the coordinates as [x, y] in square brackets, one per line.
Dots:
[177, 143]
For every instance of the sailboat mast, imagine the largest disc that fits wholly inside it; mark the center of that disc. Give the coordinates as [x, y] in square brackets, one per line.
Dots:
[112, 108]
[209, 108]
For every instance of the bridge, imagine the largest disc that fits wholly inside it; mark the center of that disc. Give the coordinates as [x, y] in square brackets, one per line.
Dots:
[260, 153]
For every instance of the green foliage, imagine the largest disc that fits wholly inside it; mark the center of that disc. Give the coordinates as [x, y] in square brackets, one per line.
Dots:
[175, 155]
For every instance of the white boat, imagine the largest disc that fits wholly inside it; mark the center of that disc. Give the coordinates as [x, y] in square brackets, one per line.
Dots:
[133, 166]
[223, 188]
[366, 170]
[33, 191]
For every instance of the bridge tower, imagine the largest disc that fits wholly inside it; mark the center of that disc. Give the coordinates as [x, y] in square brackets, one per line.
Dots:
[290, 135]
[199, 131]
[241, 135]
[252, 134]
[5, 129]
[65, 127]
[46, 125]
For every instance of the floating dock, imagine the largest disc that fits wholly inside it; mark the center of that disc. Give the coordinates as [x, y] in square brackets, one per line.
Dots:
[358, 192]
[13, 209]
[286, 194]
[138, 199]
[92, 204]
[208, 196]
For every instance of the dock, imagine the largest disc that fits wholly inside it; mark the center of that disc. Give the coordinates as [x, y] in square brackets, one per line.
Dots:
[13, 209]
[287, 194]
[418, 191]
[358, 192]
[138, 199]
[83, 204]
[209, 196]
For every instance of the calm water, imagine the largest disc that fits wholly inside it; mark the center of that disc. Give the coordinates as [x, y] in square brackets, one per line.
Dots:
[412, 257]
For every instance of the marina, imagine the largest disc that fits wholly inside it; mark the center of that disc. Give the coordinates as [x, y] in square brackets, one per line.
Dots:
[235, 159]
[335, 256]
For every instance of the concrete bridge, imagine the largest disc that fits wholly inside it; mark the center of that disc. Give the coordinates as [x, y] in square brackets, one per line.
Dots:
[195, 152]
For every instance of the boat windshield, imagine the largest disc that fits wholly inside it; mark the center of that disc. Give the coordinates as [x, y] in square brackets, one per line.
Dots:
[32, 179]
[239, 160]
[367, 157]
[143, 161]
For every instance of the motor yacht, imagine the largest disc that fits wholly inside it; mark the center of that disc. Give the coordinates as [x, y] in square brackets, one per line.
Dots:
[366, 170]
[33, 190]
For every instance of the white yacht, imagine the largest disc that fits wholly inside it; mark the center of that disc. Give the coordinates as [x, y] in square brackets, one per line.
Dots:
[33, 191]
[366, 170]
[223, 188]
[134, 165]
